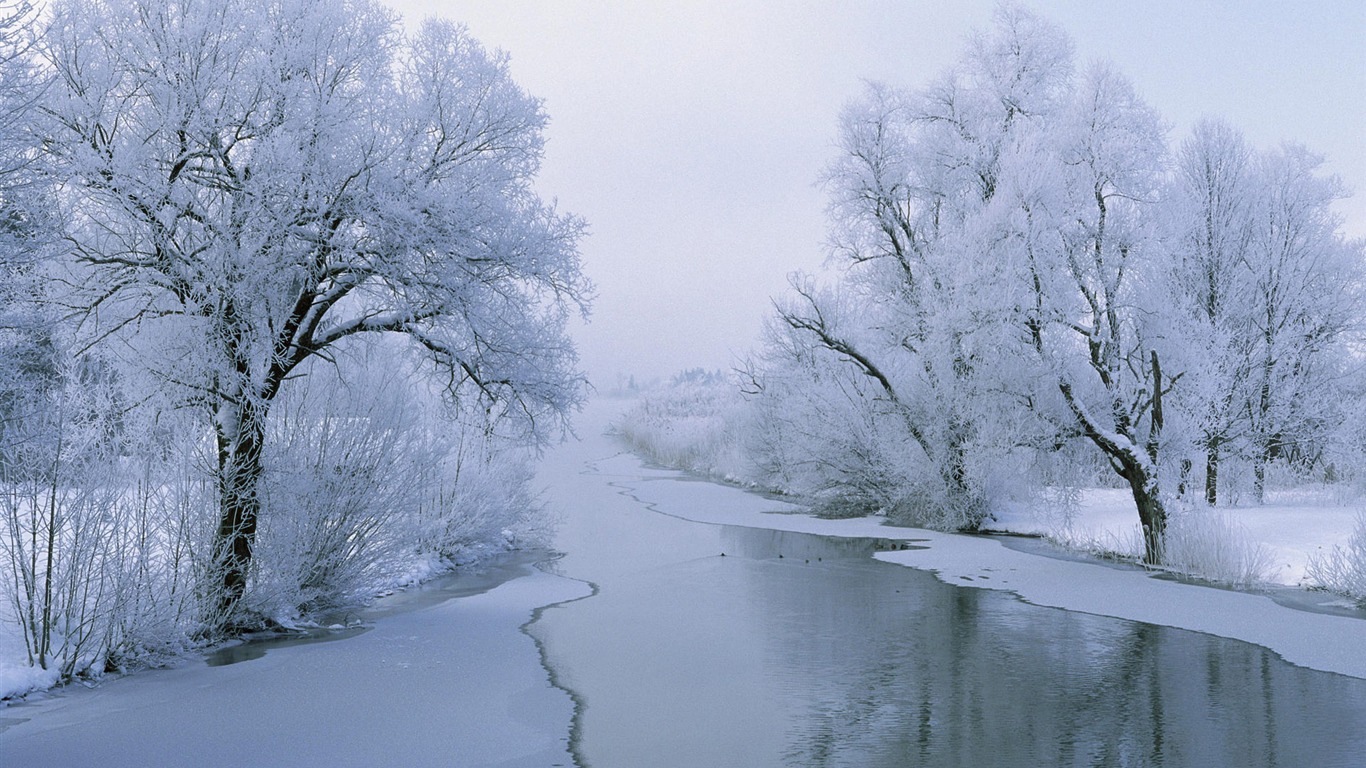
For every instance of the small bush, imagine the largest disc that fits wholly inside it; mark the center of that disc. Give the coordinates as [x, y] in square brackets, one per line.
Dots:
[1343, 569]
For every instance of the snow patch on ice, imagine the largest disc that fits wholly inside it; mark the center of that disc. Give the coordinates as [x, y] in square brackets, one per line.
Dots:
[17, 680]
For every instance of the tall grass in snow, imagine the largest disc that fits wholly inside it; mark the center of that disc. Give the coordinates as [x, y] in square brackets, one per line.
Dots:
[1210, 544]
[1205, 543]
[697, 423]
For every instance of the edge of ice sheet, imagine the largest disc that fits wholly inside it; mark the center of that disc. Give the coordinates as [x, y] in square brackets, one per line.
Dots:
[1323, 642]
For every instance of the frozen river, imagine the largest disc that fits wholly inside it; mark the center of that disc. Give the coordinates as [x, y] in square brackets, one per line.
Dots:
[655, 641]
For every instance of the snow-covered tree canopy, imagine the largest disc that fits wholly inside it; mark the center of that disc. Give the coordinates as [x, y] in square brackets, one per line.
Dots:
[1027, 265]
[260, 181]
[253, 183]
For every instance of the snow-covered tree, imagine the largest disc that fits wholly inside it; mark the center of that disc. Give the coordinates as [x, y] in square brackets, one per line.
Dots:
[252, 184]
[27, 365]
[1210, 206]
[21, 85]
[1273, 295]
[1087, 212]
[998, 230]
[912, 198]
[1306, 298]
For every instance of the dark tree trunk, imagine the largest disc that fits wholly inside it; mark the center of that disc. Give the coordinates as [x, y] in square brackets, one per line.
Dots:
[1212, 475]
[239, 479]
[1259, 479]
[1152, 514]
[960, 491]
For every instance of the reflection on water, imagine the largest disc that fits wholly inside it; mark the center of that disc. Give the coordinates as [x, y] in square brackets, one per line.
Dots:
[800, 650]
[765, 544]
[954, 676]
[255, 646]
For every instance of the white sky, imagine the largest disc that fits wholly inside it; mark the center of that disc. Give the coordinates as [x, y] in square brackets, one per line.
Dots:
[690, 134]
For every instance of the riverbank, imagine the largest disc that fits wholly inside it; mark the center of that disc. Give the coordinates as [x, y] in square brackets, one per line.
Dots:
[1291, 528]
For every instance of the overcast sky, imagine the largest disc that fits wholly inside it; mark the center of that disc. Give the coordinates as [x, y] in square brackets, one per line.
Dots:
[690, 134]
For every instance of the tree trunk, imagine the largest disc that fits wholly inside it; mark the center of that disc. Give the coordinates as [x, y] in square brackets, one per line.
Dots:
[955, 476]
[239, 503]
[1151, 513]
[1212, 475]
[1263, 421]
[1259, 479]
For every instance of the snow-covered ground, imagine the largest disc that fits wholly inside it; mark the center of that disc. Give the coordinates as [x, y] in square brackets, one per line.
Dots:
[1330, 643]
[1292, 527]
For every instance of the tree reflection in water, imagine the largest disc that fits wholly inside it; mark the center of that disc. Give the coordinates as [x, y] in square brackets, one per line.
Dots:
[895, 668]
[799, 650]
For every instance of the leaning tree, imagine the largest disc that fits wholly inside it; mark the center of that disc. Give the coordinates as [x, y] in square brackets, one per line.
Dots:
[253, 183]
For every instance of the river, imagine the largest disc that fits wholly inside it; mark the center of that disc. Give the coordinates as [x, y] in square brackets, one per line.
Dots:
[656, 641]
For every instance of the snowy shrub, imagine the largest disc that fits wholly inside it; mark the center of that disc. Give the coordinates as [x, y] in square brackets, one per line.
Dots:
[97, 567]
[834, 435]
[818, 434]
[1210, 544]
[56, 531]
[1343, 569]
[481, 499]
[59, 563]
[830, 442]
[339, 480]
[366, 481]
[165, 589]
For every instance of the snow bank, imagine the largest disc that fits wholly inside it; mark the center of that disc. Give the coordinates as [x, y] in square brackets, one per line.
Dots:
[1317, 641]
[20, 679]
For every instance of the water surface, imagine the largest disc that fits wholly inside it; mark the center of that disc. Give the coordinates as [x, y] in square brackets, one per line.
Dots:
[726, 646]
